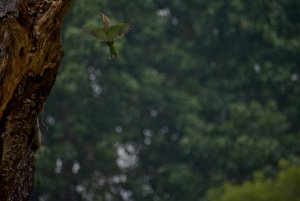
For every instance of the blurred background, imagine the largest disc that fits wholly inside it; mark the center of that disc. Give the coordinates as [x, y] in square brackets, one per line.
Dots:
[203, 103]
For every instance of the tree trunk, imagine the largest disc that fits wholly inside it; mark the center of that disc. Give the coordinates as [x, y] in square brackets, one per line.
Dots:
[30, 53]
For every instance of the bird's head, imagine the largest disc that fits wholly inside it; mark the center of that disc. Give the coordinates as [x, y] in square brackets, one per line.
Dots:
[105, 20]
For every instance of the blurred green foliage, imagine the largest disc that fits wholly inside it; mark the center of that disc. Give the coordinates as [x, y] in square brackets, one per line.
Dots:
[284, 188]
[204, 92]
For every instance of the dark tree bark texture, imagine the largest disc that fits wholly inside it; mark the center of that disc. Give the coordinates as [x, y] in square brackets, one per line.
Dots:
[30, 53]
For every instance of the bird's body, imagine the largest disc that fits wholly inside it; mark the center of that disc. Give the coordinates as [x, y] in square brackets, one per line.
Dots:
[108, 34]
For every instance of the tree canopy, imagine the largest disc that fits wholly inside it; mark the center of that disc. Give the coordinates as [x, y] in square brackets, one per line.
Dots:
[284, 187]
[203, 92]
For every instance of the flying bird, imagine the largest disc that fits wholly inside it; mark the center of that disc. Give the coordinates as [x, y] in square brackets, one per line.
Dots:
[108, 34]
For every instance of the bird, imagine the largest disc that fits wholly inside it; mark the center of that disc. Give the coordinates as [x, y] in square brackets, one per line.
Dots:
[108, 34]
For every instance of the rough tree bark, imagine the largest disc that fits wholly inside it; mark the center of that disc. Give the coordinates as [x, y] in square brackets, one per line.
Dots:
[30, 53]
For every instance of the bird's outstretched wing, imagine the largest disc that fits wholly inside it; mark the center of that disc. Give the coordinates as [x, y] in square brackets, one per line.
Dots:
[117, 31]
[96, 32]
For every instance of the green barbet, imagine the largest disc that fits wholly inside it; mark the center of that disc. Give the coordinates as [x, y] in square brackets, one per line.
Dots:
[108, 34]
